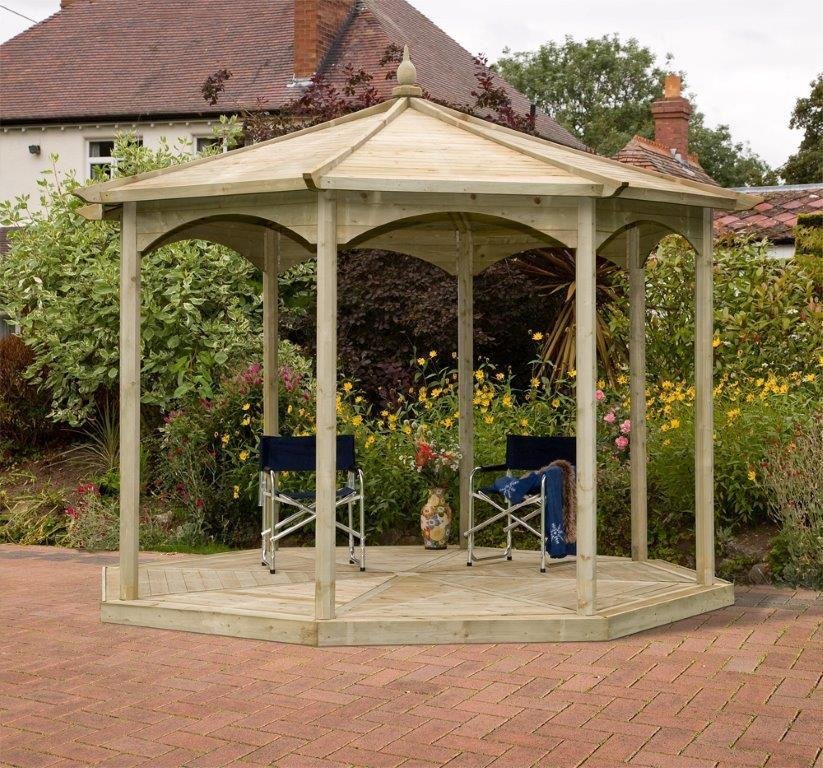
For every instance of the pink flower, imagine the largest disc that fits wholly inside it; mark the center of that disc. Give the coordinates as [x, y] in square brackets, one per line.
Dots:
[626, 427]
[610, 417]
[622, 443]
[600, 395]
[71, 512]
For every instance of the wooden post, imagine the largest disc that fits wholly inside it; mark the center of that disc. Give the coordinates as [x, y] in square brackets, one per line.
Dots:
[465, 371]
[129, 403]
[637, 371]
[326, 404]
[586, 350]
[704, 416]
[271, 335]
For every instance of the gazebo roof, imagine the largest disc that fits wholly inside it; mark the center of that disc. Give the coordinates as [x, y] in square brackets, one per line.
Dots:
[410, 144]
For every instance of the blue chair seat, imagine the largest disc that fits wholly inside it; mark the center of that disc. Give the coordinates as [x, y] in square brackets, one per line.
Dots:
[342, 493]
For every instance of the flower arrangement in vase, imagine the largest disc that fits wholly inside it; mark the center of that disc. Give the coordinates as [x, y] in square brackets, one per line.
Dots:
[437, 466]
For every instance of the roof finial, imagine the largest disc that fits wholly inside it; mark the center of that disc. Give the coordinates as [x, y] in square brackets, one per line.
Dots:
[407, 77]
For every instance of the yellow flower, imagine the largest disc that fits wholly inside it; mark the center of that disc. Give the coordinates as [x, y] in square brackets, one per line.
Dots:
[488, 419]
[716, 342]
[732, 414]
[573, 373]
[244, 455]
[507, 401]
[524, 422]
[675, 424]
[407, 429]
[432, 354]
[369, 441]
[752, 475]
[347, 386]
[447, 422]
[358, 400]
[535, 382]
[246, 421]
[291, 408]
[809, 377]
[357, 420]
[556, 402]
[499, 376]
[622, 379]
[421, 360]
[236, 492]
[479, 375]
[225, 439]
[246, 406]
[601, 384]
[667, 441]
[537, 336]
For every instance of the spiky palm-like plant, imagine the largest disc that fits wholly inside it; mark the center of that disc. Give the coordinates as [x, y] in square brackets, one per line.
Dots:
[553, 271]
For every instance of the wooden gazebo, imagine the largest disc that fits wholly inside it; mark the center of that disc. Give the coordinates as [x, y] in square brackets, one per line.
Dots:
[414, 177]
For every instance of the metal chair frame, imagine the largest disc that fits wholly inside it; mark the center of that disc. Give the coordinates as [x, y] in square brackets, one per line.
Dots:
[517, 515]
[274, 530]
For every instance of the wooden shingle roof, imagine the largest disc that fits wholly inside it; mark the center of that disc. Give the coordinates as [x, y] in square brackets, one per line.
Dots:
[412, 144]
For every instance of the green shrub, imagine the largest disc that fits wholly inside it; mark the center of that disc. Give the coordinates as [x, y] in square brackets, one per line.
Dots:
[768, 313]
[793, 477]
[30, 514]
[23, 406]
[201, 302]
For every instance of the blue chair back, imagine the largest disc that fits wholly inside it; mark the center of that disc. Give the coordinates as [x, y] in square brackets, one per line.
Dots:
[530, 453]
[299, 454]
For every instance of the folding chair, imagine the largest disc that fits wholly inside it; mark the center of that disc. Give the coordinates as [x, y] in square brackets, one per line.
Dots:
[522, 454]
[299, 454]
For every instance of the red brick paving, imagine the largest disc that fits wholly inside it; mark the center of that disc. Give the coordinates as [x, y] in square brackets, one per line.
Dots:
[739, 687]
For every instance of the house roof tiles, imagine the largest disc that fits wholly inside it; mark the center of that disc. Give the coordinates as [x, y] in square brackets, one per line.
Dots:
[143, 59]
[650, 154]
[776, 216]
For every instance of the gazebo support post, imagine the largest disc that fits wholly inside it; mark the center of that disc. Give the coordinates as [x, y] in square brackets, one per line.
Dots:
[129, 404]
[704, 416]
[326, 489]
[271, 347]
[637, 373]
[271, 335]
[465, 372]
[586, 351]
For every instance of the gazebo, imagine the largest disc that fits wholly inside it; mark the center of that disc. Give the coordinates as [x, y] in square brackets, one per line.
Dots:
[414, 177]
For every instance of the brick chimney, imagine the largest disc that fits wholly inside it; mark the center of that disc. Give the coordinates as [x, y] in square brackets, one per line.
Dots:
[671, 117]
[316, 25]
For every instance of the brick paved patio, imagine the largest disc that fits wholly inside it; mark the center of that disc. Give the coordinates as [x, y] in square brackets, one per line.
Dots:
[739, 687]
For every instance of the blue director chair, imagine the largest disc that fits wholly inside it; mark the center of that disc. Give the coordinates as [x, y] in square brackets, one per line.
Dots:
[299, 454]
[523, 454]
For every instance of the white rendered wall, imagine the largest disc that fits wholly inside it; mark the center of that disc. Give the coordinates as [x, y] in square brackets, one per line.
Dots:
[19, 169]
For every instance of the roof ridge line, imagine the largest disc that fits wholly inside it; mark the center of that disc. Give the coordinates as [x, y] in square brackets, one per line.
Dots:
[312, 178]
[434, 110]
[92, 193]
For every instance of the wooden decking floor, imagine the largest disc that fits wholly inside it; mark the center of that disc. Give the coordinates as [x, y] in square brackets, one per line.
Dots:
[408, 595]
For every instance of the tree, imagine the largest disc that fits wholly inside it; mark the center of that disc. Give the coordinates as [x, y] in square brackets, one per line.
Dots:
[806, 165]
[602, 90]
[729, 163]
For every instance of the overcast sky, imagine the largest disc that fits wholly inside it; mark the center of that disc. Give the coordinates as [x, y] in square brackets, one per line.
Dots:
[747, 61]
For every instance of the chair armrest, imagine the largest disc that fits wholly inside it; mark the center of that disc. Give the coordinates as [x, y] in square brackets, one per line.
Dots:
[482, 470]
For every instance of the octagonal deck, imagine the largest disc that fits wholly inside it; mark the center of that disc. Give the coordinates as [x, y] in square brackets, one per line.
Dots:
[408, 596]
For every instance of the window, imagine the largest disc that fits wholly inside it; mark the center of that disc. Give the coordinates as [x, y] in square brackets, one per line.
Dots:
[100, 158]
[202, 143]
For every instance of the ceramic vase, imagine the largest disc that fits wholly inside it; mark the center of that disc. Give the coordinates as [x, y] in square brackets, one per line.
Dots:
[436, 520]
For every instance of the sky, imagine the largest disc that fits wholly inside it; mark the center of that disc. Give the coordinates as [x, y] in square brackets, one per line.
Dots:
[746, 61]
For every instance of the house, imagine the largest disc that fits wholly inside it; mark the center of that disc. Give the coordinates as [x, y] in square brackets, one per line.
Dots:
[71, 83]
[668, 152]
[775, 218]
